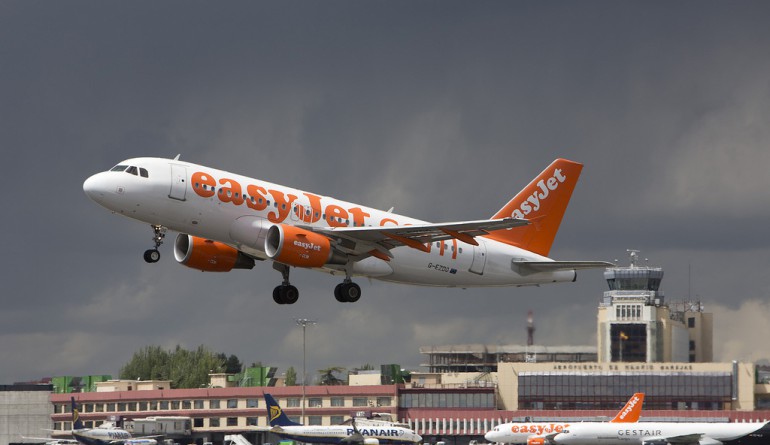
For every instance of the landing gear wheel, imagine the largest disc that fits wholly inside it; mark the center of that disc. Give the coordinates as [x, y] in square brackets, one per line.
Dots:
[290, 294]
[285, 294]
[347, 292]
[151, 255]
[352, 292]
[338, 293]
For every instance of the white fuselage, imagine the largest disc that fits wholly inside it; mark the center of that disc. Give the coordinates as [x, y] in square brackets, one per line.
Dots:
[174, 194]
[336, 433]
[662, 432]
[519, 432]
[109, 436]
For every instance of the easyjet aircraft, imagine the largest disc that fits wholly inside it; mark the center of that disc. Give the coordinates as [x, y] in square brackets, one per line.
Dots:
[228, 221]
[539, 433]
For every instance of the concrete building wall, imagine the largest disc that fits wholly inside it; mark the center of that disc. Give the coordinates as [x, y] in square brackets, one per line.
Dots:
[746, 377]
[24, 413]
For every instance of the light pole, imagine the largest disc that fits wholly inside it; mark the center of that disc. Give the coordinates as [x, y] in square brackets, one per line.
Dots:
[303, 322]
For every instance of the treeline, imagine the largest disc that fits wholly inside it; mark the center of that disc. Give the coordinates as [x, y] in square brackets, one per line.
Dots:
[185, 368]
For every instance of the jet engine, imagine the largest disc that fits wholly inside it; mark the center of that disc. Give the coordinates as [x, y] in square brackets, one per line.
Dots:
[209, 256]
[299, 247]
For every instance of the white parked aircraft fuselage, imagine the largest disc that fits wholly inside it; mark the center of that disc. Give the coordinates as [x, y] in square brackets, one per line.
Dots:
[662, 432]
[173, 195]
[336, 433]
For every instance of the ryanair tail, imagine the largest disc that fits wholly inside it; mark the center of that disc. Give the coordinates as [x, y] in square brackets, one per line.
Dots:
[77, 424]
[275, 415]
[631, 411]
[542, 202]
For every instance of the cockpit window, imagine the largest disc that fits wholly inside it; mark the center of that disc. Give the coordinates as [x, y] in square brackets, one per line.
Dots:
[133, 170]
[143, 173]
[119, 168]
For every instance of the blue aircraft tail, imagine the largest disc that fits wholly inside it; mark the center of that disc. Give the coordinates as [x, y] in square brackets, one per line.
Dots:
[275, 415]
[77, 424]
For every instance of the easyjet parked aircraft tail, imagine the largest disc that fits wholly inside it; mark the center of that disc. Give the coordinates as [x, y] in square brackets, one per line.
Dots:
[631, 411]
[542, 202]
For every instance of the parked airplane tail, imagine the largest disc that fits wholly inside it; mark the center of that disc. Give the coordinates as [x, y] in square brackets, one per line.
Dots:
[631, 411]
[275, 414]
[542, 202]
[77, 424]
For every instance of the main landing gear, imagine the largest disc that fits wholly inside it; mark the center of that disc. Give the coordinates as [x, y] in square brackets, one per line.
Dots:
[153, 255]
[285, 293]
[345, 292]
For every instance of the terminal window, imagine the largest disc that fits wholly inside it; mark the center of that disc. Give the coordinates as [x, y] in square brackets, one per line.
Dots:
[628, 342]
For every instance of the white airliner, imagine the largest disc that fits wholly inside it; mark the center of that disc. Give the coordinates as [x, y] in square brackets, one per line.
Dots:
[370, 434]
[227, 221]
[106, 434]
[663, 433]
[537, 433]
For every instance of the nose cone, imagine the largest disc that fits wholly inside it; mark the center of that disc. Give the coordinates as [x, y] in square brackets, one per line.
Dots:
[96, 187]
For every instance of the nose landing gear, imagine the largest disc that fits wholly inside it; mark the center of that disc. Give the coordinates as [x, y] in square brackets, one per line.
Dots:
[153, 255]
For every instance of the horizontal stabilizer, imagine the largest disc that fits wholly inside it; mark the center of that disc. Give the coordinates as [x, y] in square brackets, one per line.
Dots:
[530, 267]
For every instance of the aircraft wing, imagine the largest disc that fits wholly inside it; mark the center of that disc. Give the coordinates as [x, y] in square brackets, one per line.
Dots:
[50, 440]
[530, 267]
[363, 240]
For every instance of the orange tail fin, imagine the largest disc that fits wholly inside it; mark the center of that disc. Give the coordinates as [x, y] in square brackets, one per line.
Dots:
[632, 410]
[543, 202]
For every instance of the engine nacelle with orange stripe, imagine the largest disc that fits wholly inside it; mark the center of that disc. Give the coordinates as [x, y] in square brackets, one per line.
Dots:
[299, 247]
[209, 256]
[536, 440]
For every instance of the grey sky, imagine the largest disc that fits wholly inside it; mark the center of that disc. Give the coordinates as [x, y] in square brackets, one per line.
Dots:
[441, 109]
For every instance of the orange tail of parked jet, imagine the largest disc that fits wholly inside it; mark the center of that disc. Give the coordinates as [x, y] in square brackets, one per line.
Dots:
[543, 202]
[631, 412]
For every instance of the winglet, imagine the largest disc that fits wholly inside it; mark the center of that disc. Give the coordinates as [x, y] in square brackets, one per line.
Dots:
[631, 411]
[77, 424]
[275, 415]
[543, 202]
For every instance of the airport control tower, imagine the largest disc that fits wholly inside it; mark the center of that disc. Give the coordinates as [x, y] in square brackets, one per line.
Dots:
[635, 324]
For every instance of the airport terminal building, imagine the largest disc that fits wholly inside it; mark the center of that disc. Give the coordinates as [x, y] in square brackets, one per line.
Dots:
[644, 345]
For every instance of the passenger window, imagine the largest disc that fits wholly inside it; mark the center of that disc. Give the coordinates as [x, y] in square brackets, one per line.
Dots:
[143, 173]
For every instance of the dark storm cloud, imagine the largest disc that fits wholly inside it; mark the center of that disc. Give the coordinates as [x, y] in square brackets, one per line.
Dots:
[441, 109]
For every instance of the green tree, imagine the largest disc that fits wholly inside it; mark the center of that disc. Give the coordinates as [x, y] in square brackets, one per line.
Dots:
[291, 376]
[328, 378]
[232, 364]
[185, 369]
[148, 363]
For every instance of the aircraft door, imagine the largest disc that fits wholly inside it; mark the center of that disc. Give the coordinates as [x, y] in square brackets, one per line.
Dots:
[479, 258]
[178, 182]
[301, 211]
